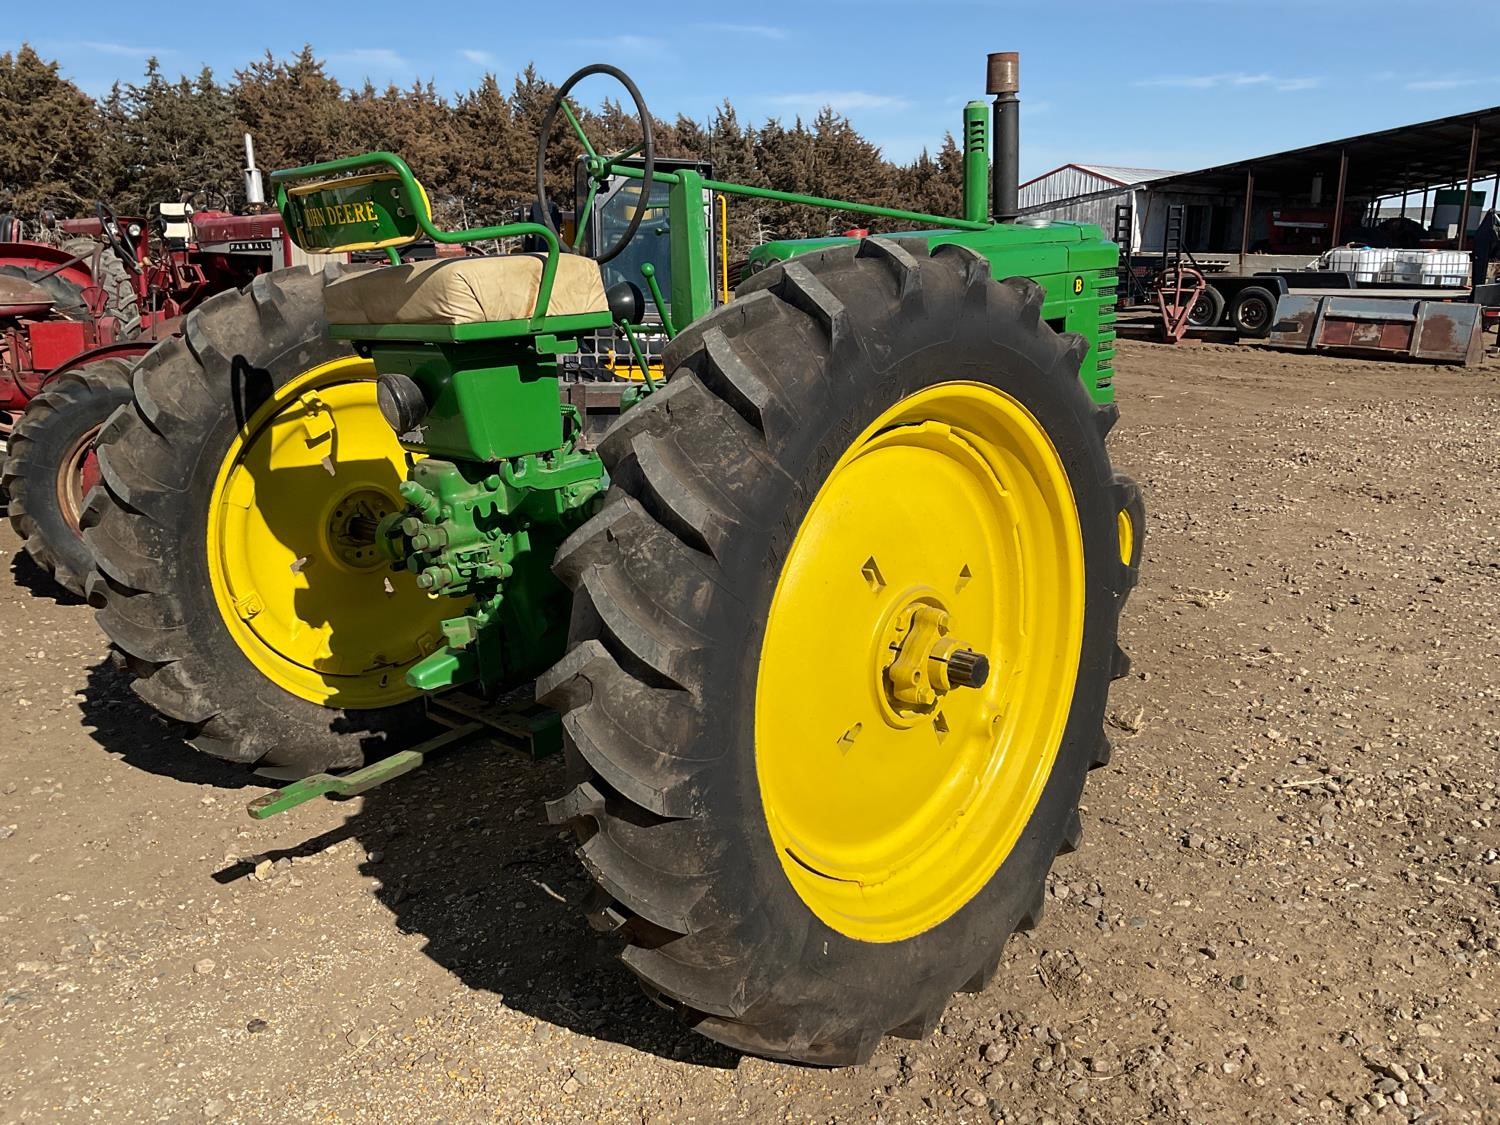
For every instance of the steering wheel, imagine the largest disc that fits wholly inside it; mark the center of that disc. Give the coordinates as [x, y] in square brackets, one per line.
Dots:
[110, 223]
[598, 166]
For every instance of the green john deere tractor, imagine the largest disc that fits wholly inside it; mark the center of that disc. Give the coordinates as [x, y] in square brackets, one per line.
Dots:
[829, 613]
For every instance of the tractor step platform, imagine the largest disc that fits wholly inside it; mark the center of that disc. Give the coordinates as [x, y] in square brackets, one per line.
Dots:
[516, 721]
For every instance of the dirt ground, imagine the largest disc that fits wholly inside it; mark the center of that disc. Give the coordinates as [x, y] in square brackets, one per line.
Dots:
[1286, 907]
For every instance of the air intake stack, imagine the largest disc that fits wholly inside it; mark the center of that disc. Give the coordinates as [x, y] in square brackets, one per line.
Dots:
[255, 192]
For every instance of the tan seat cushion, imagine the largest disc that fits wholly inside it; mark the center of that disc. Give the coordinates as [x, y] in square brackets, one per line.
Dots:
[464, 291]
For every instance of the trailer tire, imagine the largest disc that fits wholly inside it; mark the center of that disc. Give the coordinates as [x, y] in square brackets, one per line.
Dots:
[1208, 309]
[1253, 312]
[697, 748]
[50, 465]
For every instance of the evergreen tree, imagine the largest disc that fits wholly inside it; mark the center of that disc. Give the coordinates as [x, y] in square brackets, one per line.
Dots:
[417, 125]
[296, 111]
[51, 153]
[933, 186]
[785, 158]
[945, 191]
[845, 166]
[684, 138]
[174, 140]
[487, 182]
[160, 139]
[731, 148]
[529, 101]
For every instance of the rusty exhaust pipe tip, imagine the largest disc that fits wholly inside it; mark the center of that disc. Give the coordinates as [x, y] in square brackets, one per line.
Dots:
[1004, 75]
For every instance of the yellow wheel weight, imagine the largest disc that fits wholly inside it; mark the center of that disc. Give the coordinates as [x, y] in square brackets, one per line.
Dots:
[291, 554]
[950, 525]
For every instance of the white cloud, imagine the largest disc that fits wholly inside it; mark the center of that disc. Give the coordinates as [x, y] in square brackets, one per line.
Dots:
[382, 58]
[840, 101]
[121, 50]
[478, 58]
[641, 46]
[1234, 80]
[756, 30]
[1448, 83]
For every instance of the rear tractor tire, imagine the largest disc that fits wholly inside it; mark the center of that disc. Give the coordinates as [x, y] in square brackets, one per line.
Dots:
[50, 465]
[235, 572]
[842, 638]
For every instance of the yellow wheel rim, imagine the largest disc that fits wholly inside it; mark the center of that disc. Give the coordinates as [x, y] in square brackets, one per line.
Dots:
[889, 815]
[1125, 532]
[296, 577]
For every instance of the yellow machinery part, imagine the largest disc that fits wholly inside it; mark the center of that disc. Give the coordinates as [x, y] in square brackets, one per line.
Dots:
[1125, 530]
[949, 522]
[295, 572]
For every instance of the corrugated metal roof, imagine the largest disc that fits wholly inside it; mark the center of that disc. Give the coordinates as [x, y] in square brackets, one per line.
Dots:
[1117, 173]
[1390, 162]
[1125, 175]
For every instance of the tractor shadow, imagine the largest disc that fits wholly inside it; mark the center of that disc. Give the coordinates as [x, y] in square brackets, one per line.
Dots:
[465, 858]
[37, 582]
[128, 730]
[468, 861]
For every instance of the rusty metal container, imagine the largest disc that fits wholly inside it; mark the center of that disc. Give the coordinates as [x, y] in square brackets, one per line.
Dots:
[1436, 331]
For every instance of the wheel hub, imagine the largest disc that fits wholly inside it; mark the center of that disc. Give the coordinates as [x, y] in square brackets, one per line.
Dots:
[350, 531]
[923, 663]
[78, 473]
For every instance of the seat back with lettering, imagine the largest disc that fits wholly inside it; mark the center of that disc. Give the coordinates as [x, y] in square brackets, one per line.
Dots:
[371, 212]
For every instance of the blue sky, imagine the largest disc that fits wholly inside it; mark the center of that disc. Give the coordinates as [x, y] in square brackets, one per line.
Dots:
[1176, 84]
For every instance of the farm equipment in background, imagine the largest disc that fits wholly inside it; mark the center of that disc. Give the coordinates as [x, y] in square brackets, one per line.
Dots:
[1426, 304]
[1382, 327]
[81, 301]
[829, 614]
[1170, 294]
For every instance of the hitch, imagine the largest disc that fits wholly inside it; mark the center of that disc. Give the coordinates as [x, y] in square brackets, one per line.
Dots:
[523, 726]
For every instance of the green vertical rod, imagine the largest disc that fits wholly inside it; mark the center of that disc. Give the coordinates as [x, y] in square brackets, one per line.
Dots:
[976, 162]
[648, 271]
[640, 357]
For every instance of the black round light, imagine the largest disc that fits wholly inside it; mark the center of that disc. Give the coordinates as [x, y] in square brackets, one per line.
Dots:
[627, 304]
[401, 401]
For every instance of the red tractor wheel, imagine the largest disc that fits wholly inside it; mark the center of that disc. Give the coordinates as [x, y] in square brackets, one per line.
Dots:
[51, 465]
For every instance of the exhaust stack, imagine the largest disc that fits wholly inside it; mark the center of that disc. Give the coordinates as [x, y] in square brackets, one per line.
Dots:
[1005, 83]
[255, 192]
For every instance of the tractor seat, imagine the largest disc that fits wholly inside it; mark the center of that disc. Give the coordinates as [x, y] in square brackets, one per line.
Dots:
[465, 291]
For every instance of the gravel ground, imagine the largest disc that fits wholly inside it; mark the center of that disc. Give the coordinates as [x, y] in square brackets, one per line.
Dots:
[1287, 906]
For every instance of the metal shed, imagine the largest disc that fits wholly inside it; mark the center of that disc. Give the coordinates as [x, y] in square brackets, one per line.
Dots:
[1090, 193]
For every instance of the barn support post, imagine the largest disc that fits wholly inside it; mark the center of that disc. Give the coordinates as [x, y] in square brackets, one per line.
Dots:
[1463, 207]
[1336, 234]
[1249, 205]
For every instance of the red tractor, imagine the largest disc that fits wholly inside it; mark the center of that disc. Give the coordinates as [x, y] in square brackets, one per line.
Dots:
[80, 302]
